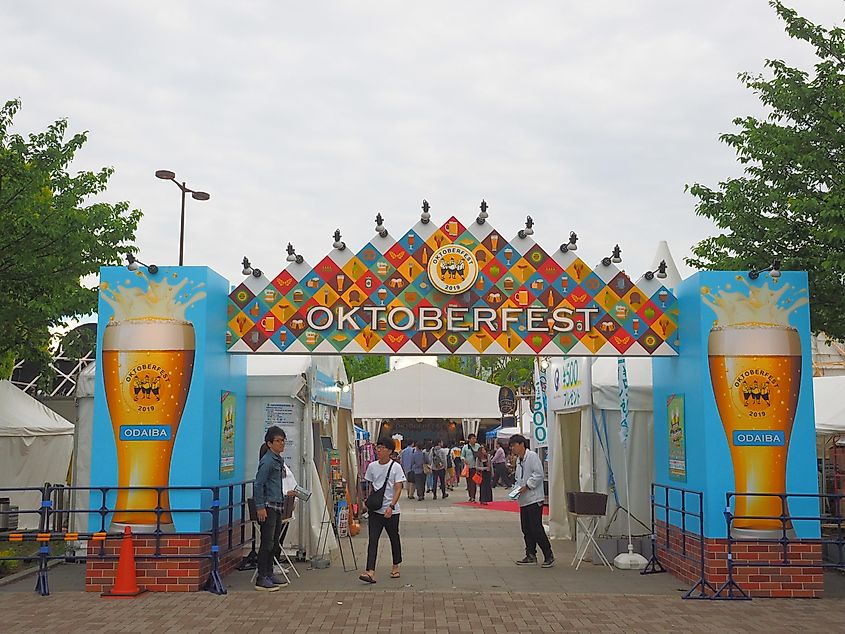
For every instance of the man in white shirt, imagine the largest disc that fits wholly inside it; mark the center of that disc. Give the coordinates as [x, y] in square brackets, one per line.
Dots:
[529, 479]
[386, 474]
[469, 456]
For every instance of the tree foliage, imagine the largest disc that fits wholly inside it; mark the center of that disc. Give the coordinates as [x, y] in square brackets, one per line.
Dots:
[499, 370]
[789, 204]
[51, 235]
[360, 367]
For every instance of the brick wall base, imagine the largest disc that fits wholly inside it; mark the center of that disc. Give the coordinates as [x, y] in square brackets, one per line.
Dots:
[162, 575]
[804, 581]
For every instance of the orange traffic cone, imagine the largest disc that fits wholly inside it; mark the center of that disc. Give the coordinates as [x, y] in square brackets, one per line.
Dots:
[126, 583]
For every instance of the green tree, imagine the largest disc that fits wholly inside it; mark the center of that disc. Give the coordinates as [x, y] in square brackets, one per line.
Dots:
[360, 367]
[499, 370]
[51, 236]
[790, 203]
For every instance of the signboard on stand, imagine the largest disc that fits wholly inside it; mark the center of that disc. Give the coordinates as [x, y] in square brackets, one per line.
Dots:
[227, 434]
[569, 384]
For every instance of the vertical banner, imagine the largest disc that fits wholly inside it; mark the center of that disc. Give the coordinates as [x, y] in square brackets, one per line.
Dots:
[539, 422]
[227, 434]
[677, 439]
[623, 402]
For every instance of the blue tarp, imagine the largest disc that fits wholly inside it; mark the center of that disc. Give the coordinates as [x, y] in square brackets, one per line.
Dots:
[361, 433]
[491, 435]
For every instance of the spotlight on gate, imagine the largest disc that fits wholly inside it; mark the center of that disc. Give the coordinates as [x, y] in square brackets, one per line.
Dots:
[382, 232]
[615, 258]
[482, 217]
[529, 228]
[773, 269]
[660, 273]
[572, 245]
[544, 363]
[248, 270]
[425, 217]
[343, 387]
[292, 256]
[133, 263]
[338, 244]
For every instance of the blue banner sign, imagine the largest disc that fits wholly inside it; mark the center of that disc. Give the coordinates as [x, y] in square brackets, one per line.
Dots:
[145, 432]
[759, 438]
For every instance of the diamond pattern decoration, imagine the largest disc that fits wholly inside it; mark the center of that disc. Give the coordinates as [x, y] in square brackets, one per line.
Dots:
[523, 301]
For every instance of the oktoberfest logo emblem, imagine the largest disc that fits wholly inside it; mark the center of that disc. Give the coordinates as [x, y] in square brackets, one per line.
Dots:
[452, 269]
[755, 388]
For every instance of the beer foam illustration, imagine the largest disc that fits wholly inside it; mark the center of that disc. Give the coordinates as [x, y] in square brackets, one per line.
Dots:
[756, 305]
[167, 299]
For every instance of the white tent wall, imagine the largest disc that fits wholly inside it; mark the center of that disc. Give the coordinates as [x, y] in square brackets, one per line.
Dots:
[36, 445]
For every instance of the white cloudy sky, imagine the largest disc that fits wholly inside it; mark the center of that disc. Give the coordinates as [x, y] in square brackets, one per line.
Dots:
[303, 117]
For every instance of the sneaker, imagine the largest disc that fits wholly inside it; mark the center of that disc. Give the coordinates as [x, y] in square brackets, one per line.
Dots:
[548, 563]
[264, 583]
[527, 561]
[445, 495]
[278, 582]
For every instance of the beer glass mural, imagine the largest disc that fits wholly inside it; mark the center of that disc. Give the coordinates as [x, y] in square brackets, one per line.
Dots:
[754, 357]
[148, 350]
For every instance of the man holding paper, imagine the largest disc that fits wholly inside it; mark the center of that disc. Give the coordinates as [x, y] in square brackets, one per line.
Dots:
[529, 491]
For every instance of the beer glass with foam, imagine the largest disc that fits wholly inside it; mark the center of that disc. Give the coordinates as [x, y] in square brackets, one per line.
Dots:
[147, 367]
[755, 370]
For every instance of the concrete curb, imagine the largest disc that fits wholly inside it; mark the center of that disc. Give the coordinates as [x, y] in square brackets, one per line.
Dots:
[29, 572]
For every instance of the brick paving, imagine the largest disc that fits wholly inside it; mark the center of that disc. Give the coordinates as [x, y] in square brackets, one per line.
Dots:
[479, 590]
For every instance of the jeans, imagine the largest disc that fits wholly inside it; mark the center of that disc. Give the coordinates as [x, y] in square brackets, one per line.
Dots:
[459, 465]
[531, 519]
[271, 531]
[419, 485]
[439, 474]
[377, 522]
[471, 486]
[500, 474]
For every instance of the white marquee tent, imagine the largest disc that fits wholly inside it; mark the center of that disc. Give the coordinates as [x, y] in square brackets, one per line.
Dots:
[35, 447]
[424, 391]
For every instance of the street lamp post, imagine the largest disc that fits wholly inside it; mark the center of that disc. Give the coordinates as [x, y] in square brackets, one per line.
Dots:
[196, 195]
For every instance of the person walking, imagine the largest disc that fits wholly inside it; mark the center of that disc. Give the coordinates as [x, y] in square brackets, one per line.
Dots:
[450, 469]
[484, 467]
[438, 468]
[418, 467]
[386, 474]
[469, 455]
[456, 460]
[267, 492]
[429, 473]
[406, 459]
[529, 479]
[500, 467]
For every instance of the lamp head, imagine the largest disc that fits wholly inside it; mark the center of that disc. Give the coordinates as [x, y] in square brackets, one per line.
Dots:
[247, 268]
[338, 243]
[483, 215]
[200, 195]
[425, 217]
[572, 245]
[166, 175]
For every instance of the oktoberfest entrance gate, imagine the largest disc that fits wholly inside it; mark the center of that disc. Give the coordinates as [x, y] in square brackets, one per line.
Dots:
[731, 347]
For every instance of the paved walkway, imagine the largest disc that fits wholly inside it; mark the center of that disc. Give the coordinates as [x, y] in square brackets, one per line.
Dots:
[458, 576]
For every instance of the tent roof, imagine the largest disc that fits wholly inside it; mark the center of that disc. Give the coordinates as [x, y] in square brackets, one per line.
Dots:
[605, 379]
[425, 391]
[23, 416]
[830, 409]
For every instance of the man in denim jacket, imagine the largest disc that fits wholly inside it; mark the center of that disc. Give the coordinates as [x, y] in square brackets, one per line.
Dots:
[267, 492]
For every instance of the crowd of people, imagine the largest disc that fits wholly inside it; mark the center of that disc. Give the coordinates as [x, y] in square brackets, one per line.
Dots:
[419, 469]
[422, 467]
[431, 465]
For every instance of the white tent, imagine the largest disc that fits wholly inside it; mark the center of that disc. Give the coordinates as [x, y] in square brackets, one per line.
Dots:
[424, 391]
[830, 408]
[35, 447]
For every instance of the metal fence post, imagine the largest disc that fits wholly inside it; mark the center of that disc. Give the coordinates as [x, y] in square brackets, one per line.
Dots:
[215, 581]
[42, 583]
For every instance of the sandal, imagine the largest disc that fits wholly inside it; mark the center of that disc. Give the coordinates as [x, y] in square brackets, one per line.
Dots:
[394, 574]
[366, 577]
